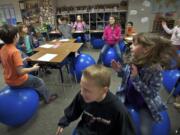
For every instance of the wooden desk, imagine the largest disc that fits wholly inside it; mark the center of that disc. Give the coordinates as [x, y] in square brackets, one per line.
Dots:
[79, 32]
[62, 50]
[96, 34]
[61, 47]
[61, 41]
[76, 34]
[59, 58]
[54, 35]
[54, 63]
[95, 31]
[54, 32]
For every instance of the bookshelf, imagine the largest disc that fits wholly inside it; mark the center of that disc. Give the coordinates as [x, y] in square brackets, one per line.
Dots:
[96, 17]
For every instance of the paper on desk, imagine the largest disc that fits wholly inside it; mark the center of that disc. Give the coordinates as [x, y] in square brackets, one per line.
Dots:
[46, 46]
[47, 57]
[64, 40]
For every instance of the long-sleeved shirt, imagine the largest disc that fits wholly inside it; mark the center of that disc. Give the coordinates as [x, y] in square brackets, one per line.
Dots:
[65, 29]
[108, 117]
[147, 83]
[79, 26]
[175, 38]
[112, 34]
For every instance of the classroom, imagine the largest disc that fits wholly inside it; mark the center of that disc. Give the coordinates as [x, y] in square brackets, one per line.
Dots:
[90, 67]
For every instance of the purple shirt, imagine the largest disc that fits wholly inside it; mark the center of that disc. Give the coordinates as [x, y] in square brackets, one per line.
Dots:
[133, 97]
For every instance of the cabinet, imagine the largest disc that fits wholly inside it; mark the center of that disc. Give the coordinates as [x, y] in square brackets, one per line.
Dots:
[96, 17]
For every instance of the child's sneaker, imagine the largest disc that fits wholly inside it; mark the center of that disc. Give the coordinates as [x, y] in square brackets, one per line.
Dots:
[52, 98]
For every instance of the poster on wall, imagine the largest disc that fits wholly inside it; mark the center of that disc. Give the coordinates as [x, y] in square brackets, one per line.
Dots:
[165, 6]
[7, 13]
[13, 16]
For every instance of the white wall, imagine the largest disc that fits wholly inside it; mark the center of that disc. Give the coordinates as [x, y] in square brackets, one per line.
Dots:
[142, 11]
[15, 4]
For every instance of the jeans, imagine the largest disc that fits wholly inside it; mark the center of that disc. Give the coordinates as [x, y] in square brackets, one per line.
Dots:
[146, 122]
[74, 132]
[104, 50]
[38, 84]
[82, 35]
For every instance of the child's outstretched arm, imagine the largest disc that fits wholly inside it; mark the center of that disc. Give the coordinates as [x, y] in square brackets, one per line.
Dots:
[116, 66]
[59, 130]
[71, 113]
[21, 70]
[177, 34]
[119, 68]
[164, 25]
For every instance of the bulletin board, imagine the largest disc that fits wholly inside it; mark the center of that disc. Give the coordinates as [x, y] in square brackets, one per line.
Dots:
[165, 6]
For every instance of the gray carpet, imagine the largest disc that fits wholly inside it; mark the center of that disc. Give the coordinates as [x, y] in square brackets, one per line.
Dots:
[44, 122]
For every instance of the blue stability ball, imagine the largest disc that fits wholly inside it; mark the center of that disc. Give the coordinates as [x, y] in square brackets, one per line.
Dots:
[17, 105]
[79, 39]
[82, 61]
[178, 52]
[134, 113]
[97, 43]
[122, 46]
[170, 78]
[92, 39]
[158, 128]
[163, 127]
[109, 56]
[74, 132]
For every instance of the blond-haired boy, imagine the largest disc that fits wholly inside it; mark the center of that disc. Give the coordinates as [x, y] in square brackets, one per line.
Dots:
[101, 112]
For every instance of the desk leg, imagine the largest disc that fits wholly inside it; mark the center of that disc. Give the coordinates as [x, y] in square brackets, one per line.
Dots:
[61, 75]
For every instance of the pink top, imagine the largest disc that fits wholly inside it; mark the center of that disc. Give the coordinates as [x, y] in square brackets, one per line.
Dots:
[112, 35]
[79, 26]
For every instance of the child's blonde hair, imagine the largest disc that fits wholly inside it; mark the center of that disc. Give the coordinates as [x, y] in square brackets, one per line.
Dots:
[159, 50]
[99, 74]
